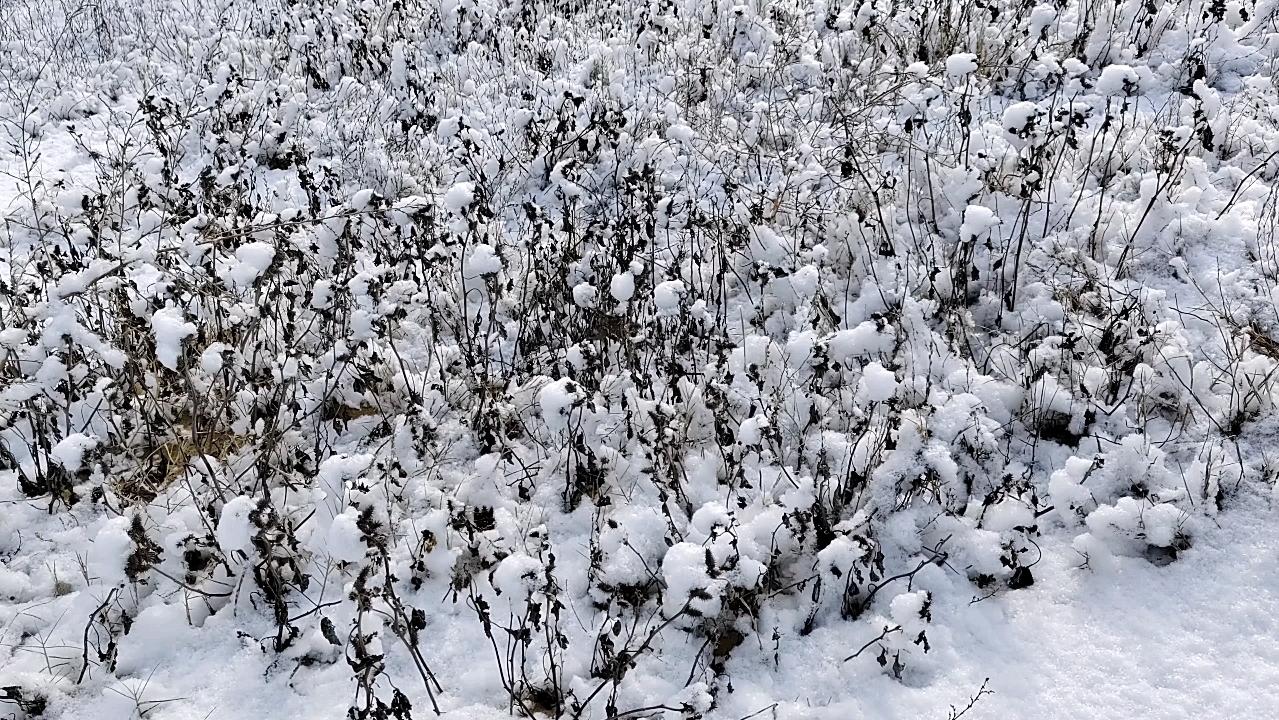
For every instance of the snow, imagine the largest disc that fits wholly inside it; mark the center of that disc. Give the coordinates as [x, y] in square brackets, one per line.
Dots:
[516, 577]
[1141, 642]
[1017, 117]
[69, 452]
[622, 286]
[459, 197]
[805, 281]
[751, 430]
[483, 261]
[961, 64]
[322, 294]
[865, 339]
[666, 296]
[584, 295]
[234, 528]
[1042, 17]
[250, 262]
[1115, 80]
[688, 582]
[555, 400]
[362, 199]
[331, 482]
[878, 384]
[15, 586]
[211, 359]
[977, 221]
[109, 552]
[381, 350]
[1074, 66]
[1183, 634]
[12, 337]
[170, 328]
[344, 539]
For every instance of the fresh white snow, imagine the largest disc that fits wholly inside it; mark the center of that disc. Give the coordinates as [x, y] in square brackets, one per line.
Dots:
[789, 359]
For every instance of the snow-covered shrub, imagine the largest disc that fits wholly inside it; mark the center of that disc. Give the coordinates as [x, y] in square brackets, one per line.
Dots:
[639, 340]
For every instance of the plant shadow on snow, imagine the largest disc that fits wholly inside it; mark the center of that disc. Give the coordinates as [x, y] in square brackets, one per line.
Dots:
[592, 360]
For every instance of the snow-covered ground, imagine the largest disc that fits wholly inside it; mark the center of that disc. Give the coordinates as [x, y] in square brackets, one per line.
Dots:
[1195, 639]
[671, 359]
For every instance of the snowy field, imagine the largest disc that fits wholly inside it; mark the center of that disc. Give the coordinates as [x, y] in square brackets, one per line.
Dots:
[621, 360]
